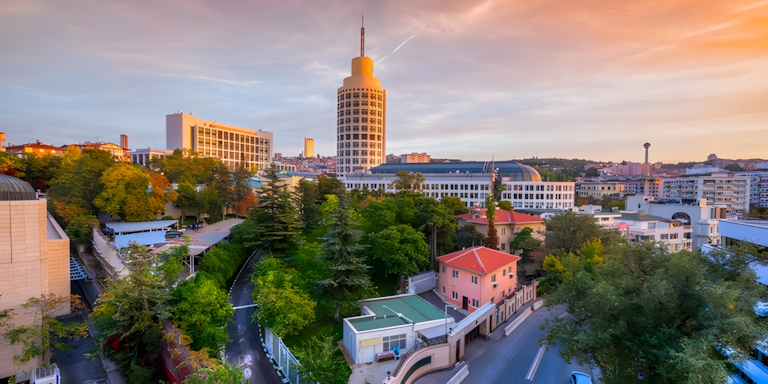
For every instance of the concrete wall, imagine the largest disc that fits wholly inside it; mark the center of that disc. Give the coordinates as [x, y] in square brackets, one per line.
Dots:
[107, 254]
[34, 259]
[440, 355]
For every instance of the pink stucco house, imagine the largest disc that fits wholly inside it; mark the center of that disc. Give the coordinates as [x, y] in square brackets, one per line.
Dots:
[472, 277]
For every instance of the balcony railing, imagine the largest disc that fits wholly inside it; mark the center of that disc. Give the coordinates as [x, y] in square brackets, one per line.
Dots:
[424, 343]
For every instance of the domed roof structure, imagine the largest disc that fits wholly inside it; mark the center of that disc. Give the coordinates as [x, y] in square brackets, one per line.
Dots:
[12, 188]
[506, 169]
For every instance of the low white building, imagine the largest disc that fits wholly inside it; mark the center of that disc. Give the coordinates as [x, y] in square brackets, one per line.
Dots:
[758, 185]
[700, 215]
[719, 188]
[394, 321]
[471, 182]
[646, 228]
[599, 189]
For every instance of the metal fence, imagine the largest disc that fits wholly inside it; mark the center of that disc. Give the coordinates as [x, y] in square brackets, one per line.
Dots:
[423, 282]
[283, 359]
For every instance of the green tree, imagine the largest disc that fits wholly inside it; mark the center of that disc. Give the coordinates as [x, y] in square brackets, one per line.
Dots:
[570, 231]
[525, 242]
[281, 304]
[454, 204]
[492, 238]
[308, 200]
[734, 167]
[276, 217]
[436, 221]
[241, 180]
[128, 315]
[349, 274]
[591, 172]
[467, 236]
[79, 229]
[505, 205]
[40, 170]
[401, 250]
[129, 191]
[408, 181]
[187, 199]
[46, 333]
[211, 204]
[11, 165]
[223, 374]
[648, 316]
[202, 311]
[321, 361]
[222, 262]
[329, 185]
[620, 204]
[77, 182]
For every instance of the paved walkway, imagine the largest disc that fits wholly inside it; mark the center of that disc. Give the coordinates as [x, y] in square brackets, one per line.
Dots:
[472, 351]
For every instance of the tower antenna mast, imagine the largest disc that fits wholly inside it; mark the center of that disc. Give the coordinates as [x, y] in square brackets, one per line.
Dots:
[362, 38]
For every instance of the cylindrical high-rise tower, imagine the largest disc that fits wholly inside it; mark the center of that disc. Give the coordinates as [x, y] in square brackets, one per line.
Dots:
[361, 118]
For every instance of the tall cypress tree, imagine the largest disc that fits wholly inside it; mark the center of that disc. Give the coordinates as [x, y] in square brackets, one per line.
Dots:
[492, 238]
[341, 250]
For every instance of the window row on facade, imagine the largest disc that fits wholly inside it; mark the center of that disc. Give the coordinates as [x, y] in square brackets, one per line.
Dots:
[349, 94]
[359, 136]
[537, 196]
[358, 152]
[358, 112]
[229, 136]
[360, 120]
[358, 104]
[358, 128]
[363, 160]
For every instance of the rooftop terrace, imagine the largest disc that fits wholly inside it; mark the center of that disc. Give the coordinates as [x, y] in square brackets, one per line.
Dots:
[386, 310]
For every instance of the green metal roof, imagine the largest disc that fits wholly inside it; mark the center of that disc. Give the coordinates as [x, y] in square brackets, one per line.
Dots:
[412, 307]
[636, 217]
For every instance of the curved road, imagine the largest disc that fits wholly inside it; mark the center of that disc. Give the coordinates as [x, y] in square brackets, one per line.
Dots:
[246, 344]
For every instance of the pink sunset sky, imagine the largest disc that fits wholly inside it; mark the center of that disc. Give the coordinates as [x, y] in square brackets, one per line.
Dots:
[471, 79]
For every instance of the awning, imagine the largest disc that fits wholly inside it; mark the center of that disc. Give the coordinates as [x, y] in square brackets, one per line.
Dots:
[123, 227]
[371, 341]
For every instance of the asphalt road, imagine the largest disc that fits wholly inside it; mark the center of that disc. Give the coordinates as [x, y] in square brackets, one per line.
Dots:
[509, 359]
[246, 344]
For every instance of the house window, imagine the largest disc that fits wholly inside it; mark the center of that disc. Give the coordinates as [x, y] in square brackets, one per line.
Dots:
[454, 295]
[455, 273]
[493, 279]
[503, 231]
[443, 290]
[503, 246]
[474, 279]
[651, 225]
[394, 341]
[475, 303]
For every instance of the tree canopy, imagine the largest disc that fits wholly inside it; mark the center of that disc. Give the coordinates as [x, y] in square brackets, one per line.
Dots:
[645, 315]
[570, 231]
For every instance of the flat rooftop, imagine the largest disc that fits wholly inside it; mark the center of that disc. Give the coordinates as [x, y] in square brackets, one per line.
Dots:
[412, 307]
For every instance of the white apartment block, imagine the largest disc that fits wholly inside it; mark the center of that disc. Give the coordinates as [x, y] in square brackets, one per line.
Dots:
[600, 189]
[645, 228]
[232, 145]
[758, 186]
[719, 188]
[703, 218]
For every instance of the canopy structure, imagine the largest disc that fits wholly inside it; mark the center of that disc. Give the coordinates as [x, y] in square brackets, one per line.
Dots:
[122, 228]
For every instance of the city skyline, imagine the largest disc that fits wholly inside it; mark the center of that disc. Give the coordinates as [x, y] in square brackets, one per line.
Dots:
[465, 79]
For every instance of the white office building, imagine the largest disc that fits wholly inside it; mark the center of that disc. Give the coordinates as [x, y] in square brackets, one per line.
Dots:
[703, 218]
[471, 182]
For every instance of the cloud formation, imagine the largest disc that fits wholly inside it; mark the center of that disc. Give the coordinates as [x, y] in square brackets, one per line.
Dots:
[588, 79]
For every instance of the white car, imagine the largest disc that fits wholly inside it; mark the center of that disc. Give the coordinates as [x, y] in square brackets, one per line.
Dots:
[580, 378]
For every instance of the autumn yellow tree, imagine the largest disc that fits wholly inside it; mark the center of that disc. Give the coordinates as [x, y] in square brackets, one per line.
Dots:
[133, 193]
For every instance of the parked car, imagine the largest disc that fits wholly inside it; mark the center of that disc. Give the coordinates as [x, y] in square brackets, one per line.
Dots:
[580, 378]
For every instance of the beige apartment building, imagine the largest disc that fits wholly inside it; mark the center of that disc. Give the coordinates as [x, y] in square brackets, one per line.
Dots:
[232, 145]
[718, 188]
[599, 189]
[361, 127]
[415, 158]
[34, 259]
[645, 186]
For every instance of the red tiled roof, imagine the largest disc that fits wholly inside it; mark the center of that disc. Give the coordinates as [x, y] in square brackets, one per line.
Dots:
[479, 259]
[502, 217]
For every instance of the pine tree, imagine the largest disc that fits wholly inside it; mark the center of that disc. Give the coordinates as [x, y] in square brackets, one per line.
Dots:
[276, 217]
[341, 250]
[492, 238]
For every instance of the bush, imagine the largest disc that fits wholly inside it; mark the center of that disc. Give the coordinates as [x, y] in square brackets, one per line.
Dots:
[222, 262]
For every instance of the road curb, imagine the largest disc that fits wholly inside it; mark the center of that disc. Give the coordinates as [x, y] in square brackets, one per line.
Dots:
[241, 270]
